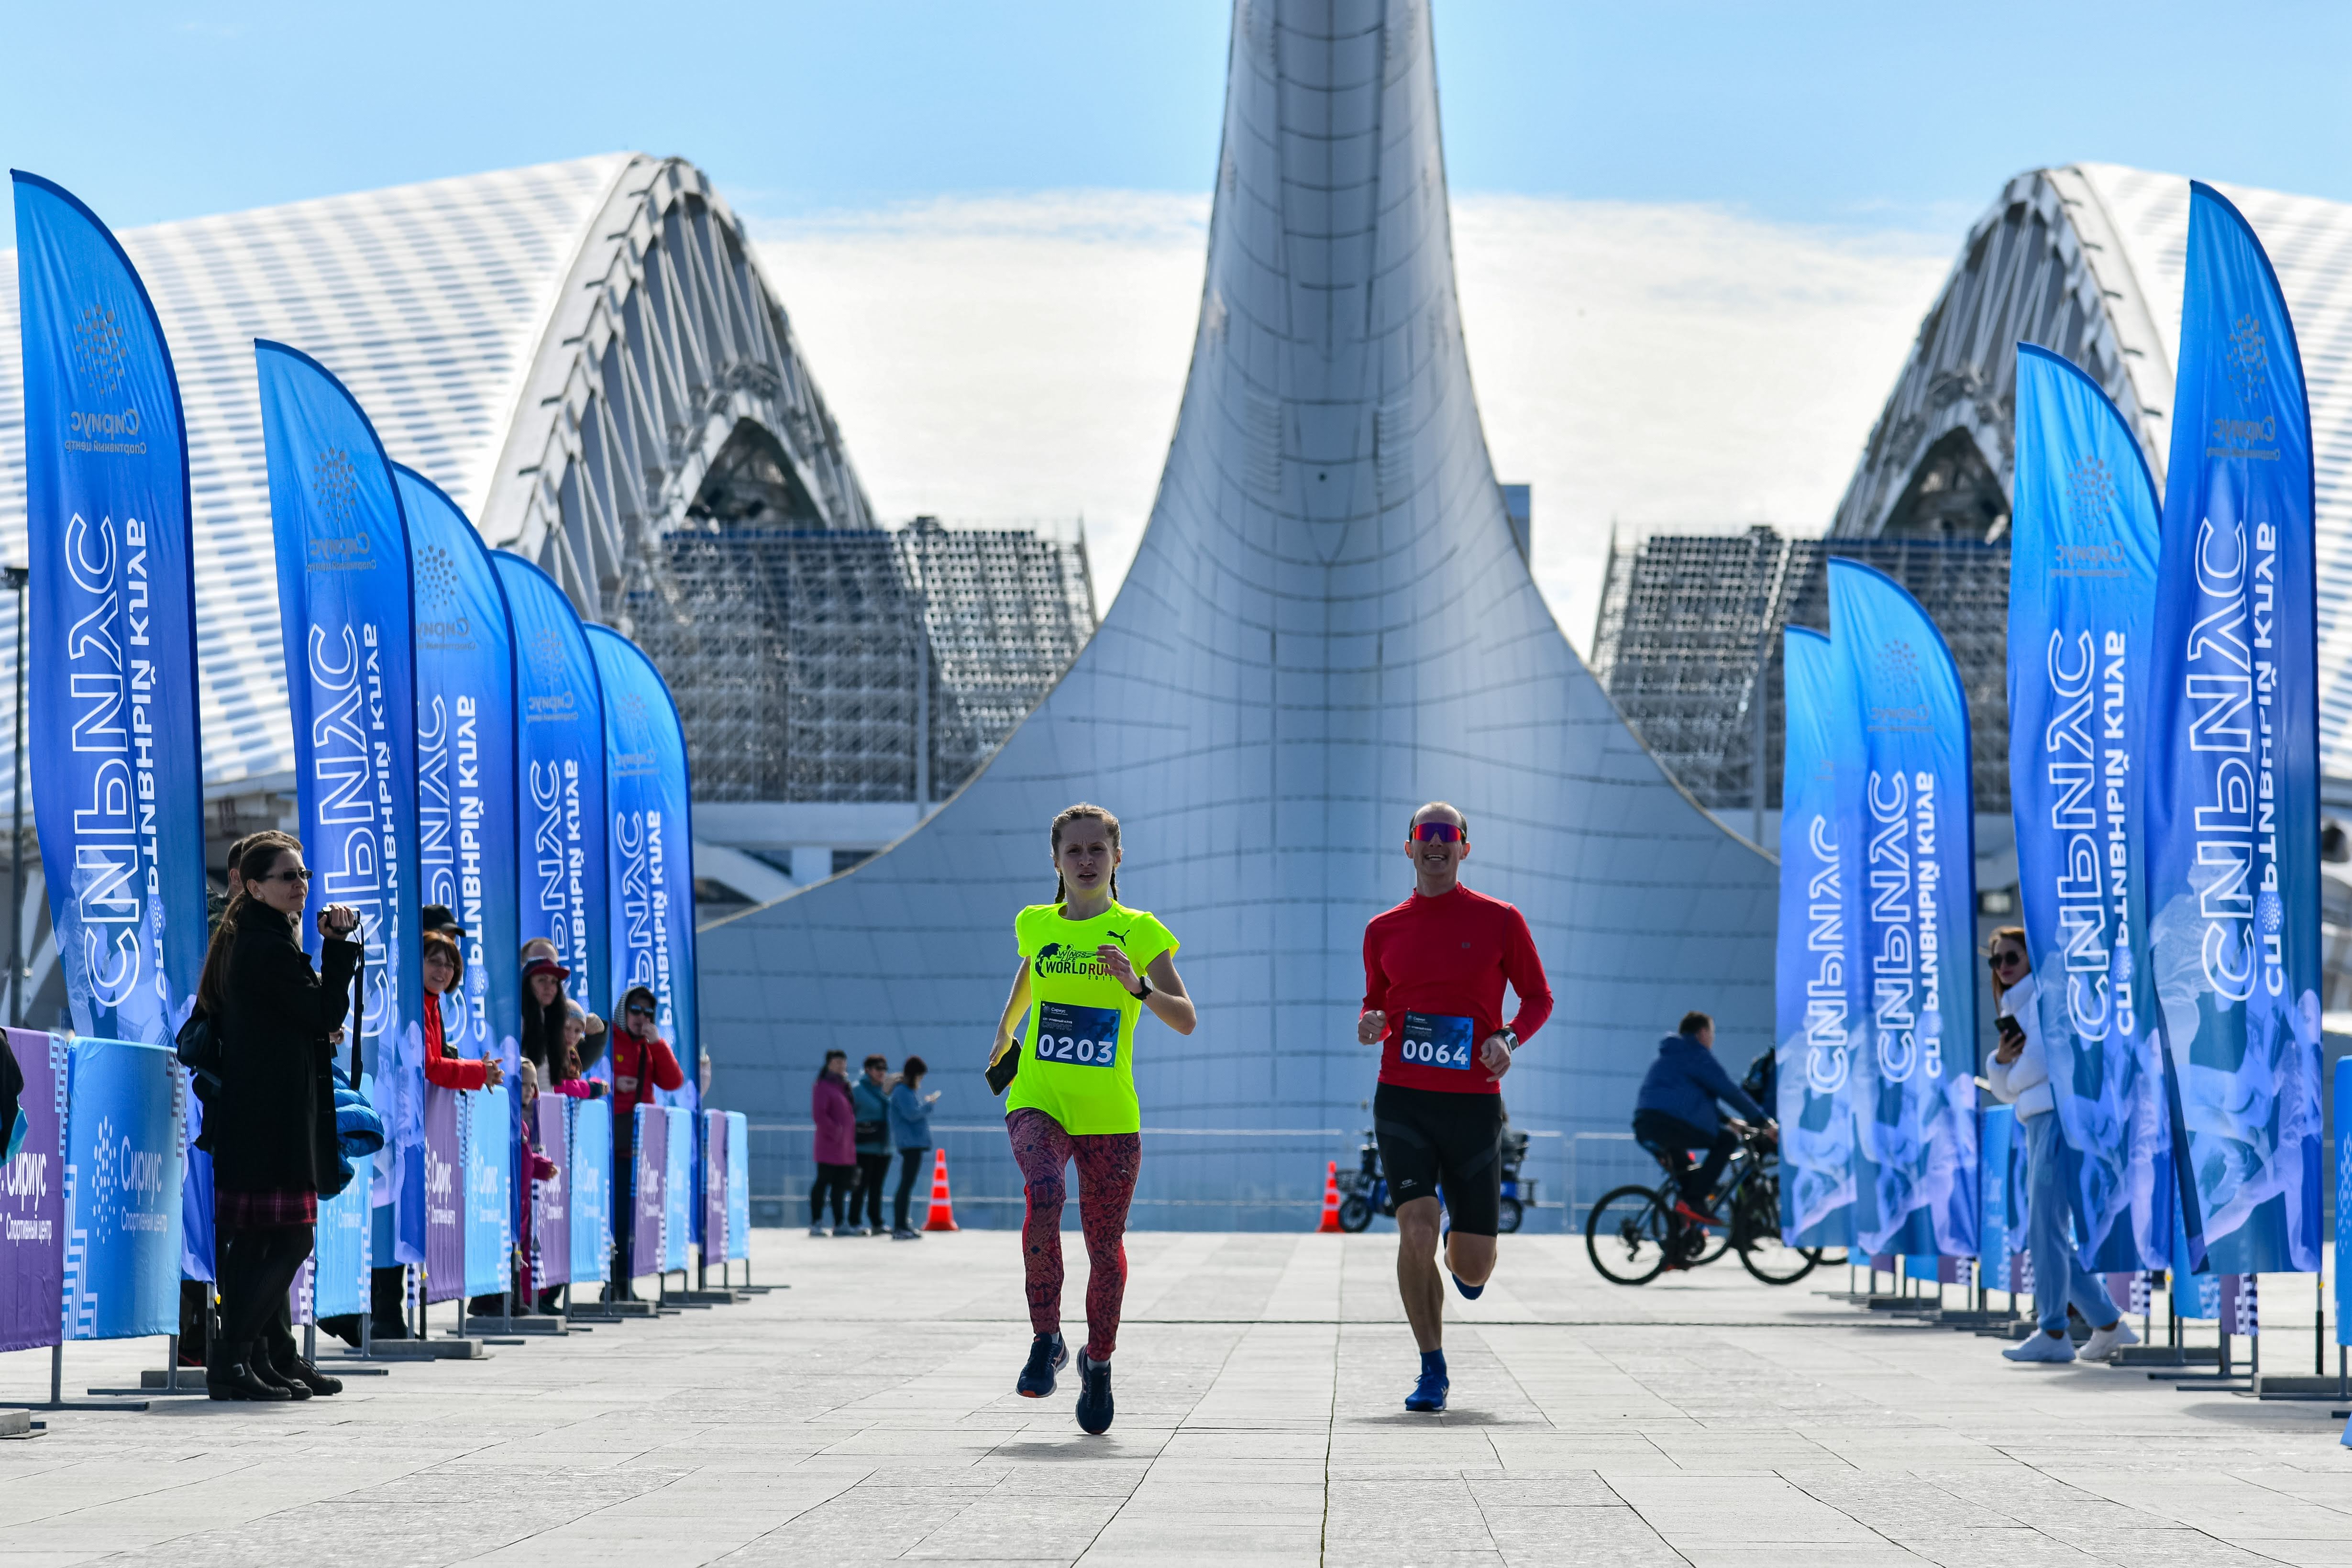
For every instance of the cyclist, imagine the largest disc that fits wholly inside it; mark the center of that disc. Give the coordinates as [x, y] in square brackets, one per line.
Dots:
[1675, 1110]
[1435, 967]
[1089, 967]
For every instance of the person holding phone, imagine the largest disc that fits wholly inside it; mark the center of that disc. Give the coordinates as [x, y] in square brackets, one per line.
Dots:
[271, 1128]
[1090, 968]
[2019, 1073]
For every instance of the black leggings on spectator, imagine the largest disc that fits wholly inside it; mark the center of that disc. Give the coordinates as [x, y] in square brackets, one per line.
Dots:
[911, 1165]
[873, 1170]
[256, 1267]
[625, 1221]
[835, 1179]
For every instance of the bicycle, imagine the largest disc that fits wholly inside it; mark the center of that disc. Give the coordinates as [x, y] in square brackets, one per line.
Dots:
[1635, 1234]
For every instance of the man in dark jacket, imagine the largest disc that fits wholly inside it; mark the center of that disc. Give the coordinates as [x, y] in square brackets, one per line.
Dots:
[1676, 1109]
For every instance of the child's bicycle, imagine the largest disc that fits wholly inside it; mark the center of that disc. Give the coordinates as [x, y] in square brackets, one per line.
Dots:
[1633, 1232]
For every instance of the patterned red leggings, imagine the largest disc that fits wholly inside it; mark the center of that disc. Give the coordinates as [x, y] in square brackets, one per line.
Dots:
[1106, 1165]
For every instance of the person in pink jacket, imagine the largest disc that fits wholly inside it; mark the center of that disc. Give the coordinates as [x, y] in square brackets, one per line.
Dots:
[837, 1142]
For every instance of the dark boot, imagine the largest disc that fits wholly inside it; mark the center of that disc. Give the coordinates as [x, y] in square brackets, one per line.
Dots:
[295, 1372]
[236, 1379]
[263, 1364]
[344, 1326]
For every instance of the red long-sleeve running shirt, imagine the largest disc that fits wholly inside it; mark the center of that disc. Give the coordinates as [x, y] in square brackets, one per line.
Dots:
[1441, 961]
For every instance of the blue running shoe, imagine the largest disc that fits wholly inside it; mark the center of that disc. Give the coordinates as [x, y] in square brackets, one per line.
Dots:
[1429, 1394]
[1047, 1355]
[1093, 1395]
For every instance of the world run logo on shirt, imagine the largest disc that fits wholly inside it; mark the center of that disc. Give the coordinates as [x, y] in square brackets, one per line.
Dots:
[1054, 959]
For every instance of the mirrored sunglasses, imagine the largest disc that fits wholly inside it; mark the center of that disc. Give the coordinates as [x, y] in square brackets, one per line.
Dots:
[1436, 832]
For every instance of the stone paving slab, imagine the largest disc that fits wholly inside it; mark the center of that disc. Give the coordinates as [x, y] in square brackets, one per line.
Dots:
[867, 1416]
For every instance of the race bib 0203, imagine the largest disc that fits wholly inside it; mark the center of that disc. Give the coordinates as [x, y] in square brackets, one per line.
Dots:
[1081, 1036]
[1437, 1040]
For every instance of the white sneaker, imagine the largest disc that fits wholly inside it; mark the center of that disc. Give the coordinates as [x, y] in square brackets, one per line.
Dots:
[2042, 1347]
[819, 1230]
[2103, 1342]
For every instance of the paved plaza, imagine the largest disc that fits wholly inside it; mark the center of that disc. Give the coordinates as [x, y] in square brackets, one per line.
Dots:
[866, 1415]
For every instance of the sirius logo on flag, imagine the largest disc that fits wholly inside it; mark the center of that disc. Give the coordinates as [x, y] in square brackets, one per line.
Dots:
[546, 654]
[2247, 358]
[98, 356]
[437, 577]
[335, 488]
[2090, 492]
[1900, 700]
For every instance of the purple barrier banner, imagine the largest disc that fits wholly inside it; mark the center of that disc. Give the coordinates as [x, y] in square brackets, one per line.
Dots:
[303, 1293]
[652, 1155]
[444, 1227]
[32, 1199]
[550, 1227]
[714, 1187]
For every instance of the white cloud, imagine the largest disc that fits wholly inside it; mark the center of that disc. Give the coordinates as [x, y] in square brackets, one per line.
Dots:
[1663, 366]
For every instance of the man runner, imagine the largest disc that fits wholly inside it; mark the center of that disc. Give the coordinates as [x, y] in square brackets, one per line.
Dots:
[1433, 973]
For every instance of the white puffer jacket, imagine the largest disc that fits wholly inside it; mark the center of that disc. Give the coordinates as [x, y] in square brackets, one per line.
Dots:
[2025, 1082]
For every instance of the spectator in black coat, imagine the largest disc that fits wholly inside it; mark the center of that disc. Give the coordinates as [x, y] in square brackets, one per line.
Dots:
[271, 1128]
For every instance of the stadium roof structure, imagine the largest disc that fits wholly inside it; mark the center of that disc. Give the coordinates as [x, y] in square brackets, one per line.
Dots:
[567, 350]
[1329, 622]
[2090, 260]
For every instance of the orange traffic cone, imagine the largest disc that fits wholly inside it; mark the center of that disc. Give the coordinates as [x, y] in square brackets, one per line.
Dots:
[1330, 1225]
[942, 1206]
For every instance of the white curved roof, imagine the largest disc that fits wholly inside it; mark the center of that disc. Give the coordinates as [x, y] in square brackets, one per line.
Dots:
[2310, 244]
[426, 299]
[467, 316]
[2112, 242]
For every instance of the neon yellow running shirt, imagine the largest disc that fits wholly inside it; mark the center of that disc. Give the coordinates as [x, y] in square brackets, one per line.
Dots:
[1077, 1049]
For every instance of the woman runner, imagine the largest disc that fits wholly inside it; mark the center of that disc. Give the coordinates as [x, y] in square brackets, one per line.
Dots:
[1089, 966]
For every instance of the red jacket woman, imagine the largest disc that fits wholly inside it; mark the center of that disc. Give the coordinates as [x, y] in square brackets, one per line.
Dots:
[442, 1065]
[641, 1059]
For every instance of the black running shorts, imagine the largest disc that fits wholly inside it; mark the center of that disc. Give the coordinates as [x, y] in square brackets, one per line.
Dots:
[1431, 1138]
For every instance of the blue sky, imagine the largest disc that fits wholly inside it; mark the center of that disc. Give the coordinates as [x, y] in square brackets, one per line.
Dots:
[1870, 115]
[1694, 240]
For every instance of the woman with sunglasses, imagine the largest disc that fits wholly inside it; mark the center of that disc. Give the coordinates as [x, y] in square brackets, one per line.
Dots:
[1090, 967]
[271, 1126]
[641, 1063]
[1434, 968]
[2020, 1075]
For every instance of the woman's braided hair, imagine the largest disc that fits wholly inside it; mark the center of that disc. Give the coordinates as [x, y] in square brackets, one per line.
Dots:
[1070, 813]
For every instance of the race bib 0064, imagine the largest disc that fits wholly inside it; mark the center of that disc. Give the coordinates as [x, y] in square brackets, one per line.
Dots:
[1080, 1037]
[1437, 1040]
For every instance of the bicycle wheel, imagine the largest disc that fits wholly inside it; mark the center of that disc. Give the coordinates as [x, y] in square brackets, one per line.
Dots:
[1775, 1262]
[1628, 1235]
[1761, 1251]
[1355, 1213]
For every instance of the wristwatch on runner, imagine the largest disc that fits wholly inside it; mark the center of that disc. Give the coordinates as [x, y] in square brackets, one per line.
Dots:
[1139, 995]
[1510, 1041]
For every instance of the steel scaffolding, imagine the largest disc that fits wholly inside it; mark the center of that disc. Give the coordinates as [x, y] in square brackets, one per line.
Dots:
[856, 665]
[1684, 617]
